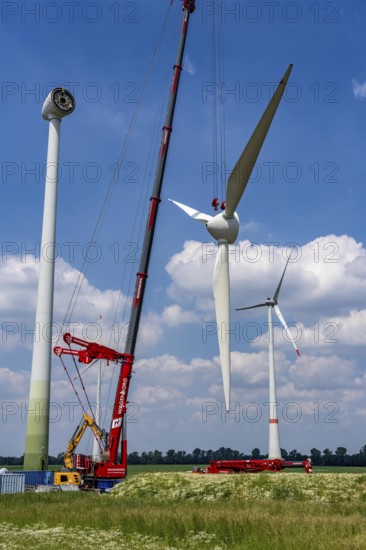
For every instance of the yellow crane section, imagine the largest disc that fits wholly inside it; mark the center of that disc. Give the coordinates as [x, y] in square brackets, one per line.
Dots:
[100, 434]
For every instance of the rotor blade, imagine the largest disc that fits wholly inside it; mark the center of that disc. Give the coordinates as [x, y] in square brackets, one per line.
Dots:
[195, 214]
[281, 318]
[239, 177]
[221, 289]
[276, 294]
[250, 307]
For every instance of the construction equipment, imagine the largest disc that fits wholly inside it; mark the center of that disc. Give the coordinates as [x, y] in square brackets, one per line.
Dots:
[66, 478]
[101, 436]
[252, 466]
[112, 469]
[43, 478]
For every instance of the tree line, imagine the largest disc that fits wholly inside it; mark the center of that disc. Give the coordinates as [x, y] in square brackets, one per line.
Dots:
[199, 456]
[339, 457]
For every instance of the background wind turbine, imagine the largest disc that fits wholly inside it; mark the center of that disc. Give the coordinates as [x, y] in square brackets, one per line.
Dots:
[224, 228]
[274, 448]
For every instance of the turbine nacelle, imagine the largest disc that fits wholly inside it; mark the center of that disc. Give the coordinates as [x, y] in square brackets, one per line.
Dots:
[222, 228]
[58, 104]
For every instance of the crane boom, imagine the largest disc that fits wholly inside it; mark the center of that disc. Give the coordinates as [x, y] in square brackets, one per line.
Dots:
[134, 322]
[112, 468]
[188, 7]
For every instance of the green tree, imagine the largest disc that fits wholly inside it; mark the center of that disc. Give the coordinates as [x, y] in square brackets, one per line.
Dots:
[284, 454]
[341, 453]
[316, 456]
[294, 455]
[256, 453]
[180, 457]
[327, 459]
[134, 458]
[207, 456]
[157, 457]
[362, 456]
[170, 457]
[197, 454]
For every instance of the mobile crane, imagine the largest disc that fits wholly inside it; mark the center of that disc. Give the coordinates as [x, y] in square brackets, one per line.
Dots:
[112, 469]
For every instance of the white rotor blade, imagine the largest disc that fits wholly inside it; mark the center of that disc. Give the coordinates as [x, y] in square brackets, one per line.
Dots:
[281, 318]
[195, 214]
[221, 288]
[239, 177]
[277, 293]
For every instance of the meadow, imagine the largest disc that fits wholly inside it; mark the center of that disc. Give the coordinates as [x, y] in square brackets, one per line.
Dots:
[163, 508]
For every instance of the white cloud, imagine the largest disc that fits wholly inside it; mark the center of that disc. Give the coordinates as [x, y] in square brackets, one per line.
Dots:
[359, 90]
[325, 285]
[174, 316]
[13, 384]
[150, 331]
[323, 373]
[163, 364]
[156, 395]
[18, 292]
[325, 277]
[188, 65]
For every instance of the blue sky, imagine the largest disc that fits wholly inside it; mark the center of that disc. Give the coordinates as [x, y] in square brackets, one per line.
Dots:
[308, 189]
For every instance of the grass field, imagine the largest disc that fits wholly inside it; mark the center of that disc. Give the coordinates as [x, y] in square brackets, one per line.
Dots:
[159, 519]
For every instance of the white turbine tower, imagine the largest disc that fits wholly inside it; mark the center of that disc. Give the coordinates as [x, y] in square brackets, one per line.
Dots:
[274, 448]
[58, 104]
[224, 228]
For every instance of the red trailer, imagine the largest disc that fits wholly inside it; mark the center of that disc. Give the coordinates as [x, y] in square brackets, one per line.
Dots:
[252, 466]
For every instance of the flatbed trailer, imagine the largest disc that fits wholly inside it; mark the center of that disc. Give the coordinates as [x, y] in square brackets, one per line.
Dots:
[253, 466]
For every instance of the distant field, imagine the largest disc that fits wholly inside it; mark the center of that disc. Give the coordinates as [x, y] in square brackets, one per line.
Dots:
[144, 468]
[155, 512]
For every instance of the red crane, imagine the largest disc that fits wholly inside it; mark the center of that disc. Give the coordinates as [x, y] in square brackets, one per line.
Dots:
[104, 474]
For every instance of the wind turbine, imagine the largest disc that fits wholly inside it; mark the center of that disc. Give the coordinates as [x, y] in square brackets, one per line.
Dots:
[58, 104]
[224, 228]
[274, 449]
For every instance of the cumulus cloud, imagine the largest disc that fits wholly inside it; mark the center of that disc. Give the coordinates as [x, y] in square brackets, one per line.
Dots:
[323, 373]
[324, 288]
[156, 395]
[174, 315]
[18, 293]
[325, 278]
[13, 385]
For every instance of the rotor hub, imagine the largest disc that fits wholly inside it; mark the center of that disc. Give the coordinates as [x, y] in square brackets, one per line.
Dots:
[222, 228]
